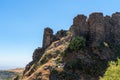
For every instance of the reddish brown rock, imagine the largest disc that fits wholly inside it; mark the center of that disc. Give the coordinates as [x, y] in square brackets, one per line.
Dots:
[96, 28]
[79, 27]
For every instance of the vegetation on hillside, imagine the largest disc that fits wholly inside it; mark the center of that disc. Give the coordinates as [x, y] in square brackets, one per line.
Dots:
[77, 43]
[113, 71]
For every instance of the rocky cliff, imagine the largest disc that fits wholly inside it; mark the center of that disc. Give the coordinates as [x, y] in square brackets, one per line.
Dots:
[57, 61]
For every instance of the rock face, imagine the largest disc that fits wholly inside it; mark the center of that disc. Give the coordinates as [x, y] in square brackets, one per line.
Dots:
[96, 28]
[60, 34]
[108, 29]
[115, 22]
[79, 27]
[37, 54]
[47, 37]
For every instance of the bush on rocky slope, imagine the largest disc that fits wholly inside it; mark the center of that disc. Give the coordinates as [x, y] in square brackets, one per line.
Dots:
[77, 43]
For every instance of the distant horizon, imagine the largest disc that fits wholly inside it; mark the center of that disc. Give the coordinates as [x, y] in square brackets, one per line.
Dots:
[22, 23]
[2, 68]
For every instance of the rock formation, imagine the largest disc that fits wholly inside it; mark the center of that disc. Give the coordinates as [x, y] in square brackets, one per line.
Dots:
[60, 34]
[47, 37]
[108, 29]
[37, 54]
[115, 22]
[79, 27]
[96, 29]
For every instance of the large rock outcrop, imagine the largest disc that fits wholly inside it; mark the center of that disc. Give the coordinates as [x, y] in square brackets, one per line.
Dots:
[49, 37]
[96, 29]
[79, 27]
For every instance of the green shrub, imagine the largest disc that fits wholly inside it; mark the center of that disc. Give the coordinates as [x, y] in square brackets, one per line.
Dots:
[77, 43]
[113, 71]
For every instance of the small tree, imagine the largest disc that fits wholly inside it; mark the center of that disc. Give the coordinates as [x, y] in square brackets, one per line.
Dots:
[77, 43]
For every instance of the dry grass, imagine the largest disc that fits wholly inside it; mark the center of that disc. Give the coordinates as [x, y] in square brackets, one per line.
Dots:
[59, 46]
[44, 73]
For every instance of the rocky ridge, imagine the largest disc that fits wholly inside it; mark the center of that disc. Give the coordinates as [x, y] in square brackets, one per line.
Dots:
[101, 34]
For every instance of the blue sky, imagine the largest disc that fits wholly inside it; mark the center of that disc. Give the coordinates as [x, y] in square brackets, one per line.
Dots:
[22, 23]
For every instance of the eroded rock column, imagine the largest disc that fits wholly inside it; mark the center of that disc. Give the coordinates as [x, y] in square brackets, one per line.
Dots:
[47, 37]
